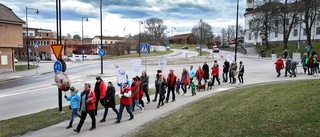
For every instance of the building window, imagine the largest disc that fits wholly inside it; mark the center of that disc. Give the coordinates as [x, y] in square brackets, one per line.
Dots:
[255, 36]
[318, 31]
[4, 60]
[40, 34]
[30, 34]
[24, 34]
[287, 21]
[34, 54]
[304, 32]
[276, 34]
[250, 36]
[318, 17]
[22, 53]
[47, 34]
[295, 32]
[250, 24]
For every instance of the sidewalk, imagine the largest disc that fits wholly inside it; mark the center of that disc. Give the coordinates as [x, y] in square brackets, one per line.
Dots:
[151, 113]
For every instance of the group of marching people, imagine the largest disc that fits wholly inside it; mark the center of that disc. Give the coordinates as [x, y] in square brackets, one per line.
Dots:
[309, 63]
[131, 93]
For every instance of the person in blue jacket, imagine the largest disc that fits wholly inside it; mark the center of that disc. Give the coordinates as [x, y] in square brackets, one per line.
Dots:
[74, 99]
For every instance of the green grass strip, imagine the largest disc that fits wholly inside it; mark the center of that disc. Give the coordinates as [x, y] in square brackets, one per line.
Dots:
[284, 109]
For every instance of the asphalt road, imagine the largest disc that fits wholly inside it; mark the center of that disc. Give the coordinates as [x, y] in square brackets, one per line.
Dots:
[33, 94]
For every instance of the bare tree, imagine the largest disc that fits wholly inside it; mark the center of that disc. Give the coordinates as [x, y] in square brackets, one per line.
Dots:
[206, 29]
[77, 38]
[263, 19]
[309, 12]
[224, 35]
[155, 30]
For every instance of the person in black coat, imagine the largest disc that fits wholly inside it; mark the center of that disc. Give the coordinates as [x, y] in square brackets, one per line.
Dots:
[109, 101]
[205, 68]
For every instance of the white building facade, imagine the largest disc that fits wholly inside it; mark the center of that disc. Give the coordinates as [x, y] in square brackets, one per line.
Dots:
[297, 33]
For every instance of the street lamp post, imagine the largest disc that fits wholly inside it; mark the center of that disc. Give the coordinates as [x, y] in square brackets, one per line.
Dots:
[82, 35]
[140, 23]
[172, 28]
[27, 42]
[101, 35]
[200, 37]
[237, 27]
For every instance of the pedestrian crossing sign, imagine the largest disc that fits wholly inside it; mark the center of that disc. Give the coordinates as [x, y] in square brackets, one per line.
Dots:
[144, 48]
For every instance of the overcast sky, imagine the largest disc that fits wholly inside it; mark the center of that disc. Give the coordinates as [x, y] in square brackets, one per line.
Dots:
[120, 14]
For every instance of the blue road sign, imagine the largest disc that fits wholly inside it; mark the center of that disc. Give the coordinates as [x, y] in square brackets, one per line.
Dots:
[101, 52]
[308, 48]
[82, 51]
[144, 48]
[200, 47]
[36, 44]
[57, 66]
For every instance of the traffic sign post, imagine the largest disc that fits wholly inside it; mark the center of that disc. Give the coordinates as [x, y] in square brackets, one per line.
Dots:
[144, 49]
[82, 55]
[101, 52]
[57, 48]
[57, 66]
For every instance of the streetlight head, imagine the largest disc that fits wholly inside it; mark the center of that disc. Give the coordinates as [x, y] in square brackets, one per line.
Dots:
[87, 19]
[200, 20]
[37, 12]
[141, 22]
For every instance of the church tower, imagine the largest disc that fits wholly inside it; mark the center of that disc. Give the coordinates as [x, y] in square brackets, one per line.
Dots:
[250, 5]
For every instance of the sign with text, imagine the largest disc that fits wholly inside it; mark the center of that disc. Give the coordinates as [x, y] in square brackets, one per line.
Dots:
[122, 76]
[274, 57]
[136, 66]
[116, 68]
[296, 57]
[162, 63]
[230, 58]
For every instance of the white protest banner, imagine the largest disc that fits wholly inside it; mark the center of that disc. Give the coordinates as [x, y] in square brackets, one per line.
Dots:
[122, 76]
[162, 63]
[116, 68]
[296, 57]
[230, 58]
[274, 57]
[136, 66]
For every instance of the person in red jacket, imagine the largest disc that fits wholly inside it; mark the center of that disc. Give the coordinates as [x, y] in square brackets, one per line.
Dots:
[136, 89]
[87, 106]
[199, 75]
[125, 101]
[215, 73]
[279, 66]
[171, 84]
[100, 91]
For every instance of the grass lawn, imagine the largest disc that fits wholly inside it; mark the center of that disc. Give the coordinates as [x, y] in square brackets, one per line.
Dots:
[157, 53]
[285, 109]
[23, 124]
[24, 67]
[291, 49]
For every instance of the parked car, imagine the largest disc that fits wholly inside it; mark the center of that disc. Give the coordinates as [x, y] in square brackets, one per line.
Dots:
[34, 59]
[185, 47]
[215, 50]
[15, 60]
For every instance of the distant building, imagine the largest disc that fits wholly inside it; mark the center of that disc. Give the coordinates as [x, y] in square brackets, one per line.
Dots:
[108, 39]
[188, 38]
[298, 32]
[10, 37]
[44, 38]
